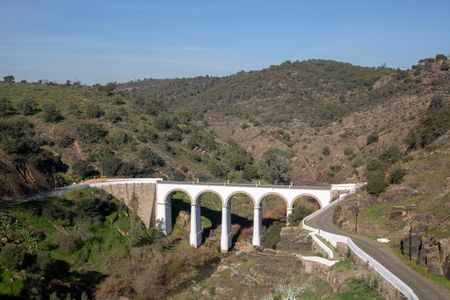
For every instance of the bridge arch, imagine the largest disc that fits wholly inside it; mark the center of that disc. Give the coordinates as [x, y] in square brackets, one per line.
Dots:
[197, 197]
[308, 195]
[258, 203]
[166, 197]
[227, 201]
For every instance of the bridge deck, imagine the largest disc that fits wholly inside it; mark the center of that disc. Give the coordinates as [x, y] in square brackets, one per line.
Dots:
[323, 187]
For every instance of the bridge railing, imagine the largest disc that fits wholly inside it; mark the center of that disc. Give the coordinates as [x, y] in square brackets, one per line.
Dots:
[379, 268]
[383, 271]
[321, 187]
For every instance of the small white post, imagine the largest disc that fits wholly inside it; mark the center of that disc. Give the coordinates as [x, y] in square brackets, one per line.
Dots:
[225, 235]
[257, 226]
[195, 236]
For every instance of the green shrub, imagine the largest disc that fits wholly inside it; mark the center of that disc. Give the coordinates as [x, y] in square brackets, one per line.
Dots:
[391, 155]
[147, 135]
[376, 165]
[83, 169]
[109, 162]
[274, 165]
[6, 107]
[348, 151]
[335, 168]
[396, 176]
[12, 256]
[148, 160]
[28, 106]
[326, 151]
[65, 141]
[376, 183]
[298, 214]
[372, 138]
[91, 133]
[271, 236]
[94, 111]
[434, 125]
[218, 169]
[51, 114]
[128, 169]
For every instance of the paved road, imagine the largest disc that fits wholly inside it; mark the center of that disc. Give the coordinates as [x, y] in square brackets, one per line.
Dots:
[42, 195]
[422, 287]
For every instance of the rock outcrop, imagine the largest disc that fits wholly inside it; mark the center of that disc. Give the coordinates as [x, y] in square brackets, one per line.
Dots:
[430, 252]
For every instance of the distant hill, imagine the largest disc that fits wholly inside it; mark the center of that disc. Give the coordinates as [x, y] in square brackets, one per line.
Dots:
[315, 121]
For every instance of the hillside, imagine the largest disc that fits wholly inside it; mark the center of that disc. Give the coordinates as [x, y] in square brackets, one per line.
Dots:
[309, 122]
[413, 212]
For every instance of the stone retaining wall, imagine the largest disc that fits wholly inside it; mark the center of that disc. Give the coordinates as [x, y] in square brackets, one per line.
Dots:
[145, 194]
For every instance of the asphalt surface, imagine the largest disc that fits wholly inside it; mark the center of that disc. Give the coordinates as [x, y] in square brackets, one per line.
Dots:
[424, 288]
[42, 195]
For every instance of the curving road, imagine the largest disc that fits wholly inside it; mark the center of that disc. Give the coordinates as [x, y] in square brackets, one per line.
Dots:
[422, 287]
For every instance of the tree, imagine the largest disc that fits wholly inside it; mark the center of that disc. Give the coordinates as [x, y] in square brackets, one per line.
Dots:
[218, 169]
[9, 79]
[376, 183]
[441, 57]
[83, 169]
[28, 106]
[326, 151]
[149, 160]
[299, 213]
[372, 138]
[109, 161]
[433, 125]
[274, 165]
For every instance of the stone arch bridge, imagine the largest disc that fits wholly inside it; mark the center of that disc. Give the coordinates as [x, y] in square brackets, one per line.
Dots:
[154, 205]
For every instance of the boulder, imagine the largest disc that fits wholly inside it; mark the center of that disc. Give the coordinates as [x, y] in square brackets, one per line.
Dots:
[397, 213]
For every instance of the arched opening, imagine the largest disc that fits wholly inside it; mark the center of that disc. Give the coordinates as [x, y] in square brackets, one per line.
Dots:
[302, 206]
[242, 206]
[210, 215]
[274, 209]
[180, 212]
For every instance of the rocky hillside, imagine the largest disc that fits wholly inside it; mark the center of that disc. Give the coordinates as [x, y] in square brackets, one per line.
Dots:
[308, 122]
[413, 212]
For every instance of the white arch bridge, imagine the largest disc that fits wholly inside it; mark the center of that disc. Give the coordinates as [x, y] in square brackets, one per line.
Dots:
[256, 192]
[163, 191]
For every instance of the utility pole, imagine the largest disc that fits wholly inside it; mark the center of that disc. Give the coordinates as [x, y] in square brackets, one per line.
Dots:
[410, 242]
[356, 211]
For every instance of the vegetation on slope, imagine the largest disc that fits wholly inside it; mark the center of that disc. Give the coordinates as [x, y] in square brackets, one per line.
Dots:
[274, 125]
[89, 243]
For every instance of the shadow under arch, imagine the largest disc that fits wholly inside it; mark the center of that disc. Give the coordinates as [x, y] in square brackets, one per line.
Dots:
[243, 215]
[212, 210]
[307, 200]
[180, 200]
[273, 208]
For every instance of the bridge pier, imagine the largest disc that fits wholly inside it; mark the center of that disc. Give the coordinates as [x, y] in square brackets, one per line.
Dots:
[288, 214]
[164, 216]
[225, 234]
[257, 226]
[195, 236]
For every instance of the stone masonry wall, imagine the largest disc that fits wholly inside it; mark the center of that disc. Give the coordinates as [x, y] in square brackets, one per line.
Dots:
[145, 194]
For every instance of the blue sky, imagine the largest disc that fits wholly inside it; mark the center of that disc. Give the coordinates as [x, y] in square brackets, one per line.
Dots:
[111, 40]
